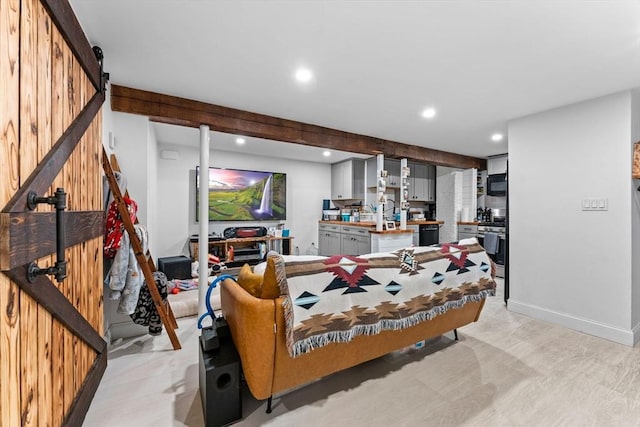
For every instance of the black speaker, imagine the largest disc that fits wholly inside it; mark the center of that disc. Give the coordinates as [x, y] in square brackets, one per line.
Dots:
[230, 233]
[234, 232]
[175, 267]
[220, 386]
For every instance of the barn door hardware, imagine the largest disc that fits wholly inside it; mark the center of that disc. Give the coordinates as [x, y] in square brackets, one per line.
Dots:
[59, 269]
[104, 77]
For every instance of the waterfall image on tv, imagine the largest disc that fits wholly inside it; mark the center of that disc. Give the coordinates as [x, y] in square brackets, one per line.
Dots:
[242, 195]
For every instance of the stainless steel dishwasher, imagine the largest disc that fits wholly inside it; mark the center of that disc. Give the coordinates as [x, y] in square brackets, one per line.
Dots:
[429, 234]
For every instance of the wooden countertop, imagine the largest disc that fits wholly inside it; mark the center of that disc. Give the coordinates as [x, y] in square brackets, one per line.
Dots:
[391, 232]
[373, 224]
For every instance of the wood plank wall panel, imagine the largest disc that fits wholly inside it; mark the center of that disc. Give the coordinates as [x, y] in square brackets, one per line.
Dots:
[9, 129]
[57, 348]
[28, 161]
[81, 186]
[96, 245]
[70, 181]
[68, 378]
[45, 320]
[43, 87]
[87, 193]
[75, 193]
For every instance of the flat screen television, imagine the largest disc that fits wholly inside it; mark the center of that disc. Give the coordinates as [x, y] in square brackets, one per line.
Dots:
[243, 195]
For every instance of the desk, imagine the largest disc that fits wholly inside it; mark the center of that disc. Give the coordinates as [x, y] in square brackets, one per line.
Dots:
[247, 249]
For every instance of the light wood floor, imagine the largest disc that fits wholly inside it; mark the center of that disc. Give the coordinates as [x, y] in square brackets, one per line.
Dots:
[506, 370]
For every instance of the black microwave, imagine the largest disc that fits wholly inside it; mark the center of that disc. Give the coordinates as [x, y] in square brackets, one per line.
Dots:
[497, 185]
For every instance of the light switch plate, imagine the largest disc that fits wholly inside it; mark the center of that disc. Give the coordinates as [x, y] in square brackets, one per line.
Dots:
[595, 204]
[112, 141]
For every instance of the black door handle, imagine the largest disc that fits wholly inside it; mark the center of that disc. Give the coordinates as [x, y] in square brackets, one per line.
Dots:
[59, 269]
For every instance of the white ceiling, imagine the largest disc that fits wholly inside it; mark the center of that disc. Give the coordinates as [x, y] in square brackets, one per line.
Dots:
[377, 64]
[185, 136]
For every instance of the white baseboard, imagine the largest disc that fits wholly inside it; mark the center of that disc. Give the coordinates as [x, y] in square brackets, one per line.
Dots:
[636, 333]
[588, 326]
[126, 330]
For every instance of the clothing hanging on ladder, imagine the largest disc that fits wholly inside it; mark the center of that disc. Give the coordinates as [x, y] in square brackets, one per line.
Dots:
[115, 226]
[126, 276]
[146, 313]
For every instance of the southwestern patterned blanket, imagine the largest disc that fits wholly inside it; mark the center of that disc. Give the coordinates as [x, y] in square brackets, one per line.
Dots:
[333, 299]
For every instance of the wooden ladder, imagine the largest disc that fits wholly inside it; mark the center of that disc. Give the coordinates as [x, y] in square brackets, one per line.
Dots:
[145, 260]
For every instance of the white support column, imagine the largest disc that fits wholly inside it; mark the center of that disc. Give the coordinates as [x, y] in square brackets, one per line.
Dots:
[379, 189]
[404, 188]
[203, 214]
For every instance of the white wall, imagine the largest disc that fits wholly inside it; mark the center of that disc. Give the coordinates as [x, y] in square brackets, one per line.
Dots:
[455, 189]
[135, 149]
[307, 185]
[635, 216]
[448, 202]
[570, 266]
[165, 189]
[469, 195]
[118, 325]
[152, 190]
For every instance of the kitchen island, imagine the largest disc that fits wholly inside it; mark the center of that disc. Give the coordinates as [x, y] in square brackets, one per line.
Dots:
[357, 238]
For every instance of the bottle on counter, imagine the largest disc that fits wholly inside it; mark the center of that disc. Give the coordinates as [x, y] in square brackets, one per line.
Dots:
[487, 215]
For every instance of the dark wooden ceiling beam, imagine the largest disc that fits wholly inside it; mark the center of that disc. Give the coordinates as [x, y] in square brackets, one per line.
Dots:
[185, 112]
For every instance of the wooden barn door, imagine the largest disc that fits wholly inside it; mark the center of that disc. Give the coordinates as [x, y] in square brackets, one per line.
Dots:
[52, 355]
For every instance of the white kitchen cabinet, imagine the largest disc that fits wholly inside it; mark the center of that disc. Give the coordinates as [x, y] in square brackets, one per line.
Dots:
[347, 180]
[467, 231]
[422, 178]
[431, 183]
[389, 242]
[497, 164]
[336, 239]
[329, 240]
[421, 182]
[355, 240]
[392, 167]
[415, 237]
[417, 182]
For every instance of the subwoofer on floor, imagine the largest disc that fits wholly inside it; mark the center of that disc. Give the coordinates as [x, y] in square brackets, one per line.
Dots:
[220, 385]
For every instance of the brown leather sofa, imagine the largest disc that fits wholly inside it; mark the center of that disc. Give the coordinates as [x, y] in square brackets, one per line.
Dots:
[258, 330]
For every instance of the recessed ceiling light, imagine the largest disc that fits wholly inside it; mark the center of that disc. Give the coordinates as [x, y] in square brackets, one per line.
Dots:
[496, 137]
[240, 141]
[429, 113]
[303, 75]
[326, 153]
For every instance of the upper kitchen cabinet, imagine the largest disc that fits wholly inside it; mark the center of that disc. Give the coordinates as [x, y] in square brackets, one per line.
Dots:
[347, 180]
[392, 167]
[497, 164]
[422, 182]
[393, 173]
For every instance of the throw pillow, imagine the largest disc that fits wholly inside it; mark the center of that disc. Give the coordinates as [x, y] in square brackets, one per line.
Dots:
[250, 281]
[274, 277]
